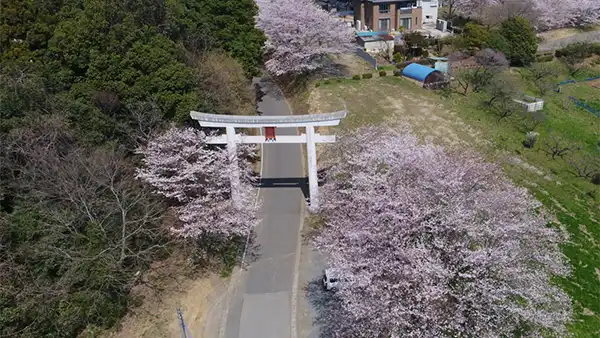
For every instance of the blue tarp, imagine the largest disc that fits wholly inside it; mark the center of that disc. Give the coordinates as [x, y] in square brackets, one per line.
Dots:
[417, 72]
[371, 33]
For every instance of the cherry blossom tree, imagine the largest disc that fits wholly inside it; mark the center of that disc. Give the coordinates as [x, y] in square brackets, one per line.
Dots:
[196, 177]
[544, 14]
[300, 35]
[569, 13]
[435, 243]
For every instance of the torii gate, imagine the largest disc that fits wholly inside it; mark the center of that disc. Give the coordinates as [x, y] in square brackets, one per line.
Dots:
[269, 123]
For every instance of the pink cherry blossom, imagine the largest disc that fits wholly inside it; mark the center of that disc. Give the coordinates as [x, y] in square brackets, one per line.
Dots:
[180, 166]
[436, 243]
[300, 35]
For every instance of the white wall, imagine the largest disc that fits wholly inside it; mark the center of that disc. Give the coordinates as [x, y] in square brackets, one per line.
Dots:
[379, 46]
[430, 8]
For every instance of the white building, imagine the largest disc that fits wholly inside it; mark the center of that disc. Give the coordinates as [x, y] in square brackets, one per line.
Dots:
[430, 10]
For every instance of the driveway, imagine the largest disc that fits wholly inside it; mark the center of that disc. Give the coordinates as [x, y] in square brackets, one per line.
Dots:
[262, 303]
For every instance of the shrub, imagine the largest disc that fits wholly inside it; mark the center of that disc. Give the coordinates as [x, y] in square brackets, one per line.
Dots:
[382, 73]
[398, 58]
[545, 58]
[476, 36]
[521, 41]
[318, 84]
[596, 179]
[579, 50]
[367, 76]
[403, 65]
[425, 53]
[530, 139]
[327, 81]
[397, 72]
[356, 77]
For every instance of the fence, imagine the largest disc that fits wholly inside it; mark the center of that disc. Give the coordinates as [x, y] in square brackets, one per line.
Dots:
[365, 56]
[585, 106]
[557, 86]
[578, 102]
[185, 333]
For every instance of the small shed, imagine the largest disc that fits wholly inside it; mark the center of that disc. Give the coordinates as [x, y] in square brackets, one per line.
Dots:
[426, 76]
[441, 63]
[530, 103]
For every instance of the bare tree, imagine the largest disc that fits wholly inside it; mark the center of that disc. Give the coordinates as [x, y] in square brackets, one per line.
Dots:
[84, 230]
[555, 146]
[502, 88]
[586, 166]
[225, 88]
[506, 107]
[490, 63]
[542, 75]
[531, 120]
[464, 78]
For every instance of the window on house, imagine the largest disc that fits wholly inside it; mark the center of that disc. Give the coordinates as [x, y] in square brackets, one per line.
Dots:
[384, 25]
[405, 22]
[384, 8]
[416, 20]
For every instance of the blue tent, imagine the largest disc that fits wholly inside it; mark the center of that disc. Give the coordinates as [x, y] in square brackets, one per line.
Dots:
[417, 72]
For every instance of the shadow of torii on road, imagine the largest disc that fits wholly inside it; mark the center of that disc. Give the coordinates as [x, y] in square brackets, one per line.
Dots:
[290, 182]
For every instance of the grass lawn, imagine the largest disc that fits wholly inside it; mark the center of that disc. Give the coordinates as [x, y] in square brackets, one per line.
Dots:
[459, 122]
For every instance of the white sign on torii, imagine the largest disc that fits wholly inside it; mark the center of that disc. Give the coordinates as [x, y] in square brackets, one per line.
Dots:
[269, 123]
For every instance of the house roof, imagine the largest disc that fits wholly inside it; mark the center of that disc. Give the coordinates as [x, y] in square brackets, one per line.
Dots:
[417, 72]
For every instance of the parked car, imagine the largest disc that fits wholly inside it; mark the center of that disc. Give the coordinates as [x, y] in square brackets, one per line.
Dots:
[332, 279]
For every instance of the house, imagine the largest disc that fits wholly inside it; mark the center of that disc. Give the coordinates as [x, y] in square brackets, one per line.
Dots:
[377, 43]
[393, 15]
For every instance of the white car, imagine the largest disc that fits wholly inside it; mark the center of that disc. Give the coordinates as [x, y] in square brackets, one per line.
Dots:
[331, 279]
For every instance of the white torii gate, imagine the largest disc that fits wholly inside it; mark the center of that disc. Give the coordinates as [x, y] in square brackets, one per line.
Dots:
[269, 123]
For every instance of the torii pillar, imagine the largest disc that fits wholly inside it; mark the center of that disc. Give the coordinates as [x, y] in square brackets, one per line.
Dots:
[309, 122]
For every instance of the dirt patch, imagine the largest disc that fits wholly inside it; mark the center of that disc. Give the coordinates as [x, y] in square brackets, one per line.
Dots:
[595, 83]
[163, 290]
[351, 64]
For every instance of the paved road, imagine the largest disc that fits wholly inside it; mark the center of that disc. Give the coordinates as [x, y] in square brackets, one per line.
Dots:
[261, 305]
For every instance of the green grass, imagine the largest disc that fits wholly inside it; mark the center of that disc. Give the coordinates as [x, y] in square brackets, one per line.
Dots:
[574, 201]
[386, 67]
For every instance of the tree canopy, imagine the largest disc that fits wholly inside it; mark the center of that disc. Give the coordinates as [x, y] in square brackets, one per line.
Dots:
[83, 84]
[435, 244]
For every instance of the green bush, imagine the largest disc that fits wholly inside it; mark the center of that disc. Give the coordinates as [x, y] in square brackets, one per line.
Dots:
[476, 36]
[382, 73]
[425, 53]
[579, 50]
[530, 139]
[327, 81]
[596, 179]
[367, 76]
[403, 65]
[545, 58]
[398, 58]
[317, 84]
[356, 77]
[397, 72]
[521, 42]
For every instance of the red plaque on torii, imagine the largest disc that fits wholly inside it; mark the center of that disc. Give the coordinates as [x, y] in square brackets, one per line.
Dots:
[270, 134]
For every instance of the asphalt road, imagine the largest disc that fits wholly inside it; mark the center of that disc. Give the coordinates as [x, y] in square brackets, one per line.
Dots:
[262, 304]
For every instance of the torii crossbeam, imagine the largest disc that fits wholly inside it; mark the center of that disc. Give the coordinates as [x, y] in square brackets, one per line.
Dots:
[269, 123]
